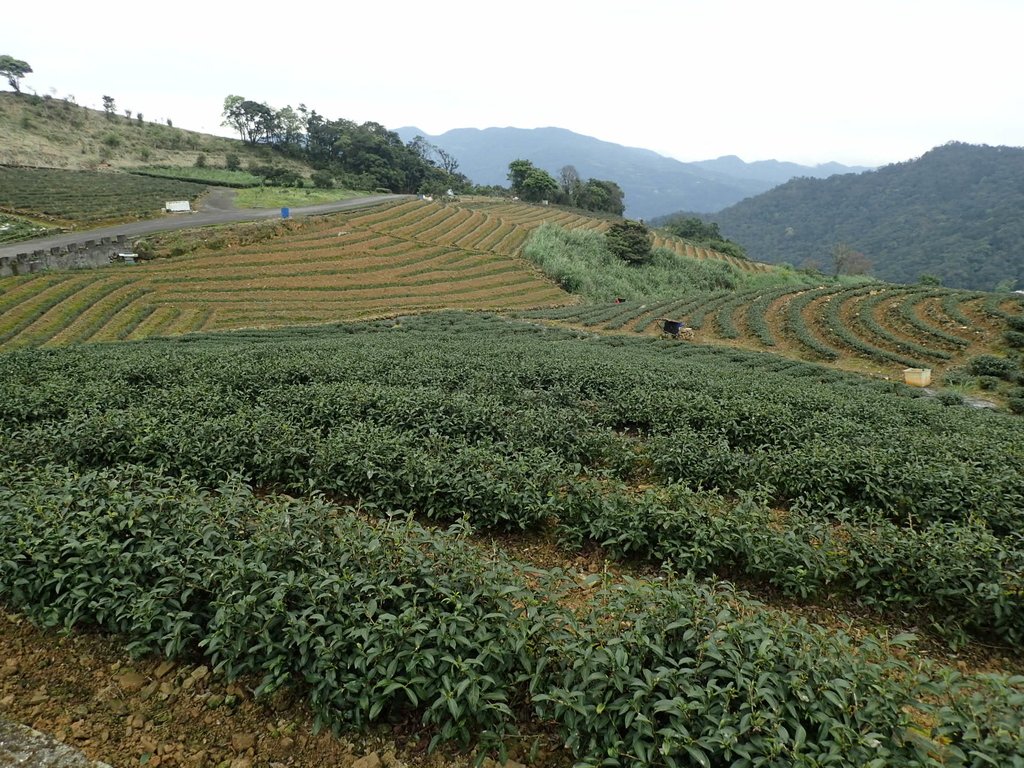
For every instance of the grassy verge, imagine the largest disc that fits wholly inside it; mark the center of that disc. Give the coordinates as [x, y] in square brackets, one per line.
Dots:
[280, 197]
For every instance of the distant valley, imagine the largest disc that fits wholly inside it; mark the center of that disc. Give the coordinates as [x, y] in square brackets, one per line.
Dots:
[654, 185]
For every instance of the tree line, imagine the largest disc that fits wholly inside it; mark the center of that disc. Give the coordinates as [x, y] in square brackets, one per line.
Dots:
[529, 182]
[369, 156]
[358, 155]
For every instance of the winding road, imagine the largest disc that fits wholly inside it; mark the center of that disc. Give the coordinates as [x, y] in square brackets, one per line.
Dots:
[216, 207]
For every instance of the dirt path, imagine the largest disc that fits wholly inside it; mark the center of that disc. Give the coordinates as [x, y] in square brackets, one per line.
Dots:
[217, 207]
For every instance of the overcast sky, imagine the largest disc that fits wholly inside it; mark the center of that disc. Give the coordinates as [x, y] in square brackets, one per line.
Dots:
[867, 82]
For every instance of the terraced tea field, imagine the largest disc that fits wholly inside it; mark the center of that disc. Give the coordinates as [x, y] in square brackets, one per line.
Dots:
[414, 256]
[335, 515]
[399, 258]
[873, 326]
[87, 198]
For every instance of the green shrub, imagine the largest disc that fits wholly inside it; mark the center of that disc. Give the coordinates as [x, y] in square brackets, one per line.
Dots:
[958, 377]
[388, 621]
[947, 397]
[322, 179]
[629, 241]
[277, 176]
[991, 365]
[1014, 339]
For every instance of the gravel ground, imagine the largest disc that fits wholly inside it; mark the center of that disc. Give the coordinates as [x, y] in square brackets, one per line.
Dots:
[20, 745]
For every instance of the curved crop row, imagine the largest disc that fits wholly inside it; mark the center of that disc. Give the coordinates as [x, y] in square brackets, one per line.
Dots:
[757, 312]
[952, 306]
[867, 319]
[710, 304]
[836, 325]
[796, 323]
[349, 271]
[725, 315]
[995, 303]
[910, 312]
[674, 310]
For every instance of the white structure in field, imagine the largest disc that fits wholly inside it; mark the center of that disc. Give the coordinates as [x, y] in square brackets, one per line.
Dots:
[177, 206]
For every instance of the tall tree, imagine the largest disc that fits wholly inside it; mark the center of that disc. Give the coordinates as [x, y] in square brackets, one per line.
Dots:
[569, 181]
[109, 107]
[233, 115]
[538, 185]
[434, 155]
[848, 261]
[288, 127]
[322, 138]
[14, 69]
[518, 170]
[254, 121]
[601, 195]
[446, 161]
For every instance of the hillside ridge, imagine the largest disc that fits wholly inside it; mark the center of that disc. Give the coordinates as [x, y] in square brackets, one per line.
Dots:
[654, 184]
[953, 213]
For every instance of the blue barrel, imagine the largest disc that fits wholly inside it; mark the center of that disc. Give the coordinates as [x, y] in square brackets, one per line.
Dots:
[284, 213]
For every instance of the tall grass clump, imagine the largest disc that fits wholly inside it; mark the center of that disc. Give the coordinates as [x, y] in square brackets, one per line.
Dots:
[581, 263]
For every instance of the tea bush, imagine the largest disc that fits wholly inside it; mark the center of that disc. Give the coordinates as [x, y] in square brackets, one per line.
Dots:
[515, 426]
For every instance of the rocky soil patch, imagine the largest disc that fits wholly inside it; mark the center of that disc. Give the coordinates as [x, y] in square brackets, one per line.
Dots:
[84, 692]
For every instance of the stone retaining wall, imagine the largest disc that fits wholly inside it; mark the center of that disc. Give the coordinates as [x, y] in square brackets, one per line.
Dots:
[88, 254]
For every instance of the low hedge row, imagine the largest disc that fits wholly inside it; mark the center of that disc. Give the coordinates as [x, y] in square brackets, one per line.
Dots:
[377, 620]
[955, 578]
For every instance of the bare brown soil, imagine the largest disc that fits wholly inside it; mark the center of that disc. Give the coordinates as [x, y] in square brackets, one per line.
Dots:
[87, 692]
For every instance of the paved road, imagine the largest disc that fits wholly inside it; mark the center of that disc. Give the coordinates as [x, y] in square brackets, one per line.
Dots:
[217, 207]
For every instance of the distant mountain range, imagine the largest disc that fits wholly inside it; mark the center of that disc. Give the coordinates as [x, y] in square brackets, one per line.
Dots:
[654, 185]
[957, 213]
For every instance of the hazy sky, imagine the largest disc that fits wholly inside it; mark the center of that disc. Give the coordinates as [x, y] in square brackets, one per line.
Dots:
[866, 82]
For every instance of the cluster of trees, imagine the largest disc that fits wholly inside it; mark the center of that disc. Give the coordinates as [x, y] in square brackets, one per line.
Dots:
[531, 183]
[362, 156]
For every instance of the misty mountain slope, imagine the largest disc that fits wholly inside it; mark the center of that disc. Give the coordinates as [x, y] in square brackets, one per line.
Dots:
[774, 171]
[653, 184]
[957, 213]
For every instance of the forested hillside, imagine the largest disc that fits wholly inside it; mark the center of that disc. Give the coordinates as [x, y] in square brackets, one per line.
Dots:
[954, 213]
